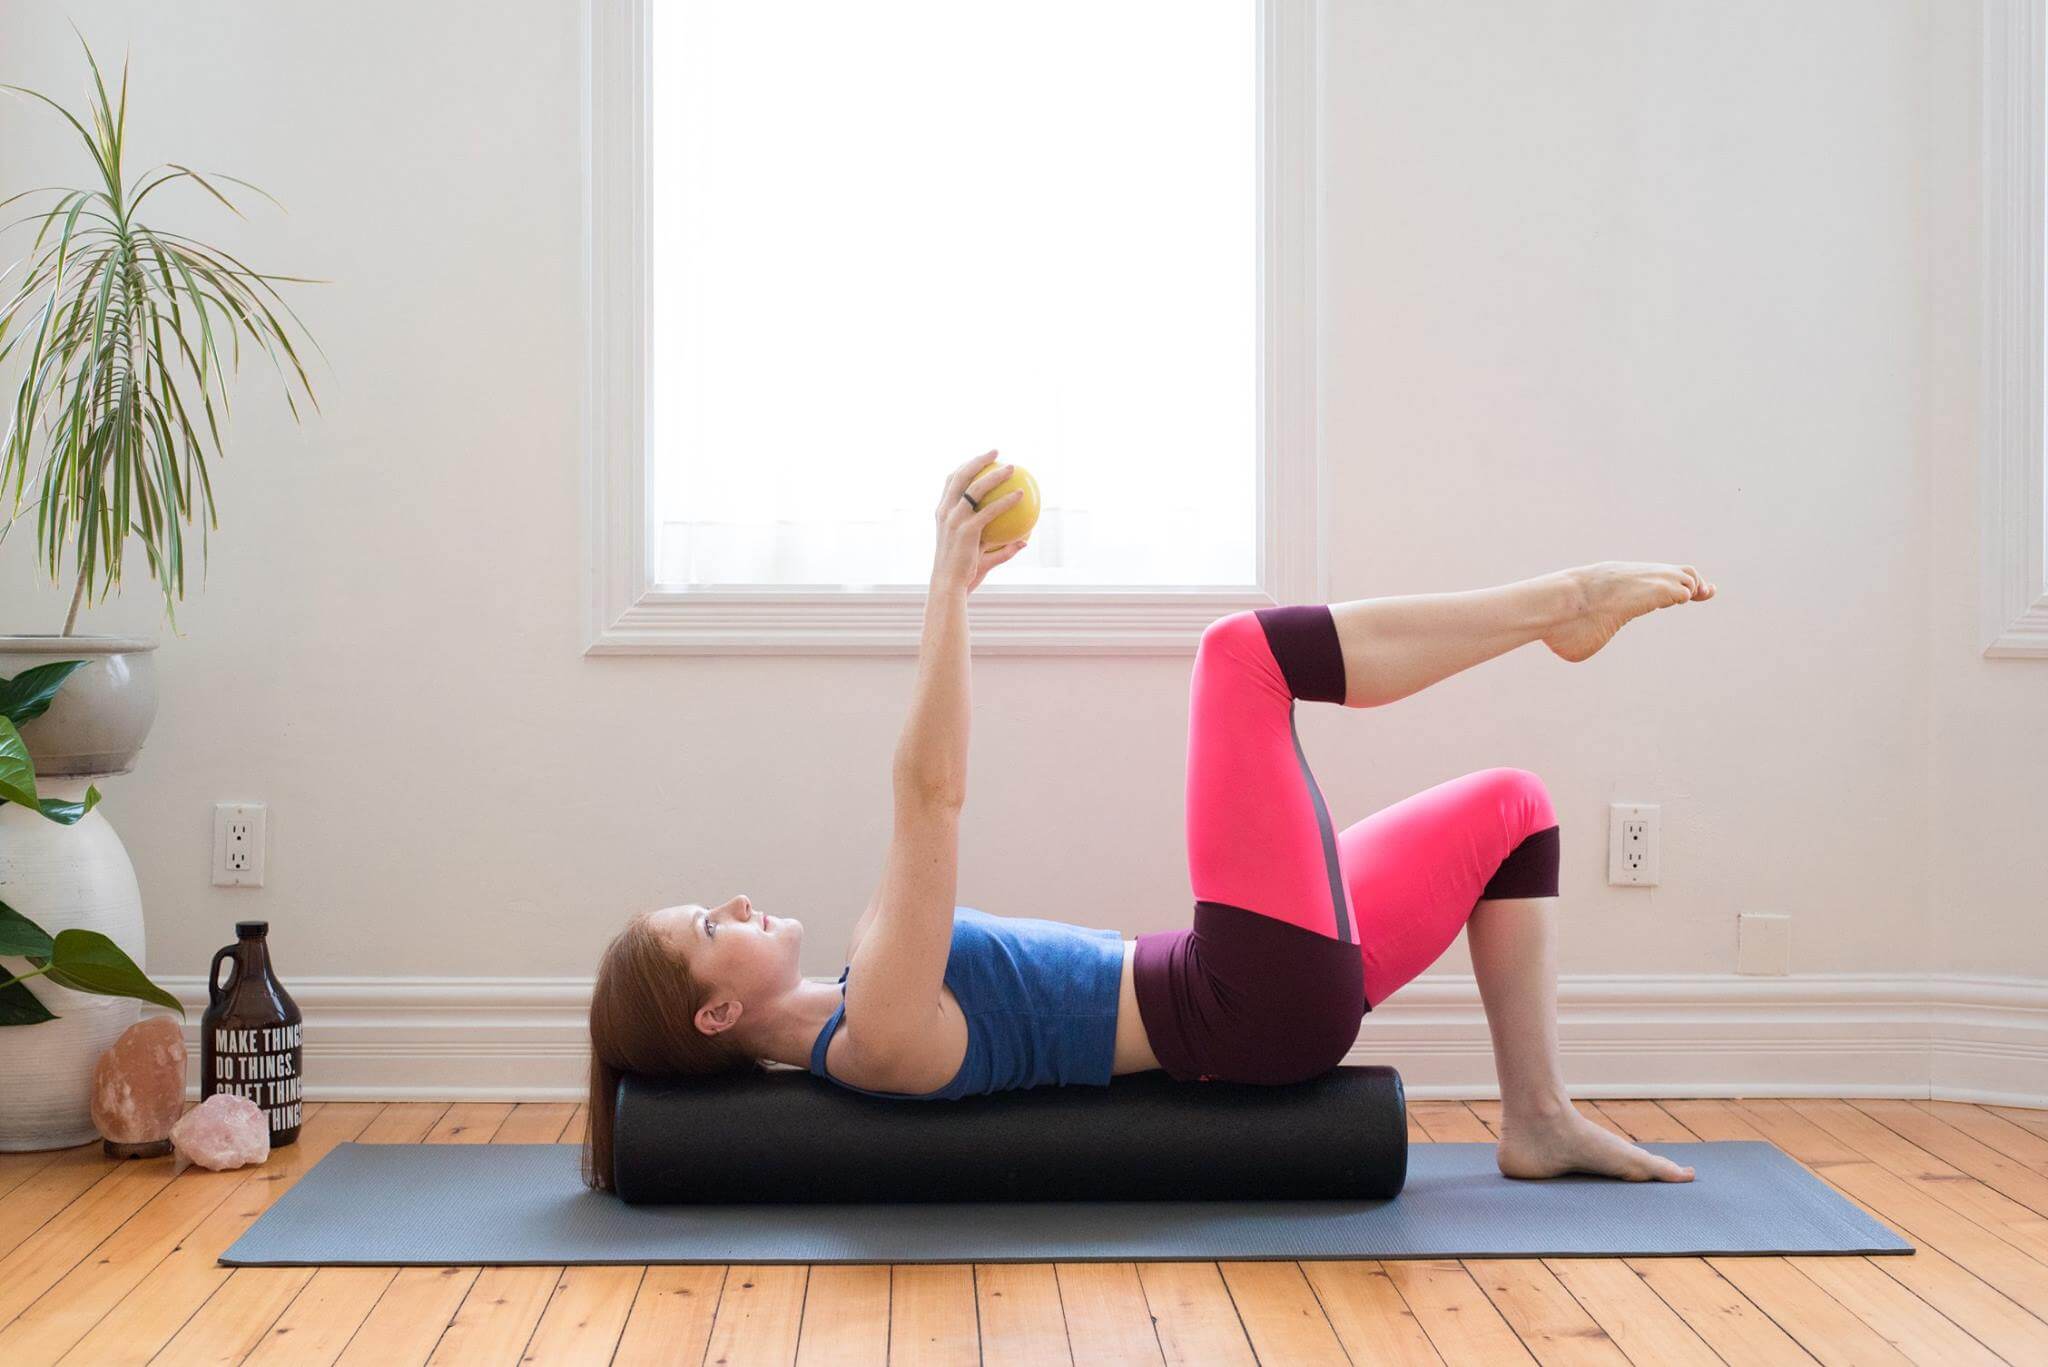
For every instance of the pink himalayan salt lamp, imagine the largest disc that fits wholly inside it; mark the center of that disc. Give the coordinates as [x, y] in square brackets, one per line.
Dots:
[223, 1131]
[138, 1088]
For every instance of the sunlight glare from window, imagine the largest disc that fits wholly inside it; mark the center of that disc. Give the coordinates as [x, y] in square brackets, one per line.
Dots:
[889, 236]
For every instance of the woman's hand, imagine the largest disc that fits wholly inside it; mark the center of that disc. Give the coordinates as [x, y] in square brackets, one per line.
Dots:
[959, 563]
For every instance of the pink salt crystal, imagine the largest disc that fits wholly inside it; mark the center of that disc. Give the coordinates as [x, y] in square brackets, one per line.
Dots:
[138, 1085]
[223, 1131]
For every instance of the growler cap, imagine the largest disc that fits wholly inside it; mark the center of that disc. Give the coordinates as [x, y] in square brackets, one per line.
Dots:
[249, 929]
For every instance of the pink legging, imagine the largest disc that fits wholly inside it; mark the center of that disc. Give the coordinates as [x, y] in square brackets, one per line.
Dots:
[1399, 883]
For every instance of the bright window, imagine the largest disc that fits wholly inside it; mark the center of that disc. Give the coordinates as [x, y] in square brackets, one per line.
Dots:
[885, 237]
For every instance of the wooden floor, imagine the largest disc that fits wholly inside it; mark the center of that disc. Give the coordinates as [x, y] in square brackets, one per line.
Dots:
[104, 1262]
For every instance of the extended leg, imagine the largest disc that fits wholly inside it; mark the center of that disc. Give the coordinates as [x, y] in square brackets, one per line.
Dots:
[1396, 646]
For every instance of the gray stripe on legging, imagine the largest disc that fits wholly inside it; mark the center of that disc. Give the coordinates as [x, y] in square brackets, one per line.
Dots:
[1330, 863]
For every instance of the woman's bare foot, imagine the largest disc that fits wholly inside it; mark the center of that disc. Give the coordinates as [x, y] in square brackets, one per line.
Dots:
[1571, 1143]
[1613, 592]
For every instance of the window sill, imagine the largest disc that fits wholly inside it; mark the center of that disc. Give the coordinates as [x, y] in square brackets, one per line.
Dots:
[891, 621]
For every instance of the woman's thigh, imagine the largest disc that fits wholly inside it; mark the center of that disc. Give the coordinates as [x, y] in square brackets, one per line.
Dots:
[1416, 869]
[1259, 835]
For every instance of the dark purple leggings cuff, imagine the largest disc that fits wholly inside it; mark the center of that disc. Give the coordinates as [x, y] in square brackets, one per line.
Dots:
[1303, 638]
[1530, 870]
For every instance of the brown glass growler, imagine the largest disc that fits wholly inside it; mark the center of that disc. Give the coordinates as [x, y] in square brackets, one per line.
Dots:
[249, 1038]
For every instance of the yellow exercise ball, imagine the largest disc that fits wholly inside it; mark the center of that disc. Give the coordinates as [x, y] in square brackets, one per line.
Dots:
[1015, 523]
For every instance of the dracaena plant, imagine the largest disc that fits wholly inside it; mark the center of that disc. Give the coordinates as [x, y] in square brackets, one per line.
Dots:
[82, 960]
[120, 325]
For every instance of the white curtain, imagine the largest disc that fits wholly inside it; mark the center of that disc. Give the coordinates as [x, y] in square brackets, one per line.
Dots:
[890, 236]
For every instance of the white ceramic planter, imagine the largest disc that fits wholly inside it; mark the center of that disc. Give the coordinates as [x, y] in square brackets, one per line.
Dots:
[62, 877]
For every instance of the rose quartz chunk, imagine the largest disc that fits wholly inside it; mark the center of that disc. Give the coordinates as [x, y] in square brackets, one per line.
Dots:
[138, 1085]
[223, 1132]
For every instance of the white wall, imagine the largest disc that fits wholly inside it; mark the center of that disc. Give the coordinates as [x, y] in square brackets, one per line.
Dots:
[1987, 770]
[1604, 280]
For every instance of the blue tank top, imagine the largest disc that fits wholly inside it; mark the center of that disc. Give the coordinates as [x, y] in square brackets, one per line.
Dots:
[1040, 999]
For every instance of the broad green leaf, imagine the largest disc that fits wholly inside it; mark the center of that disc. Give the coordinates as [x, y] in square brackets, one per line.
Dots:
[87, 961]
[27, 695]
[68, 813]
[17, 770]
[21, 937]
[19, 1006]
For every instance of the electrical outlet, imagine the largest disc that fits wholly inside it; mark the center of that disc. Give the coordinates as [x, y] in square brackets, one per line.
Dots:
[1632, 844]
[238, 840]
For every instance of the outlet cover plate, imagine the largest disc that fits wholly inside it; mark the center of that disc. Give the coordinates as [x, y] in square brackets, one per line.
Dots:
[238, 844]
[1634, 835]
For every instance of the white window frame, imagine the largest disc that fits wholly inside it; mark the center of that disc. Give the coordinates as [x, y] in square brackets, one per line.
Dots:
[2013, 462]
[626, 614]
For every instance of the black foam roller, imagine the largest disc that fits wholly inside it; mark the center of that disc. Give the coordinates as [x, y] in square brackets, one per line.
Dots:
[788, 1136]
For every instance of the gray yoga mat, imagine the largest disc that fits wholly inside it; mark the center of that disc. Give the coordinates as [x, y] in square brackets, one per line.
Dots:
[435, 1204]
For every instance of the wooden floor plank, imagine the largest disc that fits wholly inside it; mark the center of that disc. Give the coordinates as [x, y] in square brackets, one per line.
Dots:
[409, 1317]
[845, 1316]
[1731, 1323]
[931, 1313]
[2009, 1178]
[470, 1122]
[1993, 1131]
[1861, 1285]
[59, 1317]
[671, 1317]
[2024, 1116]
[232, 1321]
[1193, 1316]
[1108, 1319]
[1461, 1322]
[1366, 1312]
[165, 1299]
[16, 1168]
[496, 1318]
[573, 1134]
[1634, 1316]
[1962, 1270]
[536, 1122]
[404, 1122]
[760, 1312]
[1020, 1317]
[49, 1189]
[40, 1261]
[1280, 1312]
[1544, 1314]
[2020, 1228]
[586, 1314]
[1893, 1310]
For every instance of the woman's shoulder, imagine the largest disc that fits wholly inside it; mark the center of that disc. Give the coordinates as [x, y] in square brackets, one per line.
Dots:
[933, 1063]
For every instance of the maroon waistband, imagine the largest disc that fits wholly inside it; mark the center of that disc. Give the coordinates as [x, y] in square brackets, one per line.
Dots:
[1246, 998]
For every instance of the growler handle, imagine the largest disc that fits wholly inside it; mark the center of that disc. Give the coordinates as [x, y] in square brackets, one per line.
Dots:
[214, 989]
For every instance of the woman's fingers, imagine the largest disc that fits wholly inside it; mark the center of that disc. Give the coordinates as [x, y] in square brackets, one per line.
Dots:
[989, 481]
[956, 483]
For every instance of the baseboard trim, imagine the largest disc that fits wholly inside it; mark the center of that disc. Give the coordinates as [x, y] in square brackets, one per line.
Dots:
[1943, 1037]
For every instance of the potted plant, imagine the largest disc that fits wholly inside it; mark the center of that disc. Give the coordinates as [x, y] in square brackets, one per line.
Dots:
[115, 326]
[52, 1030]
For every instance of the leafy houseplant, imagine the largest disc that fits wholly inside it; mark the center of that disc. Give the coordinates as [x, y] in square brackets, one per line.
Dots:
[82, 960]
[110, 315]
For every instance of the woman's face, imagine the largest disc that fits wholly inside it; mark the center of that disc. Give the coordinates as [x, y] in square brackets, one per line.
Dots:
[733, 948]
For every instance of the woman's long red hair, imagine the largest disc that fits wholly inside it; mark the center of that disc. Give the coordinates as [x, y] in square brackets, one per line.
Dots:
[643, 1020]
